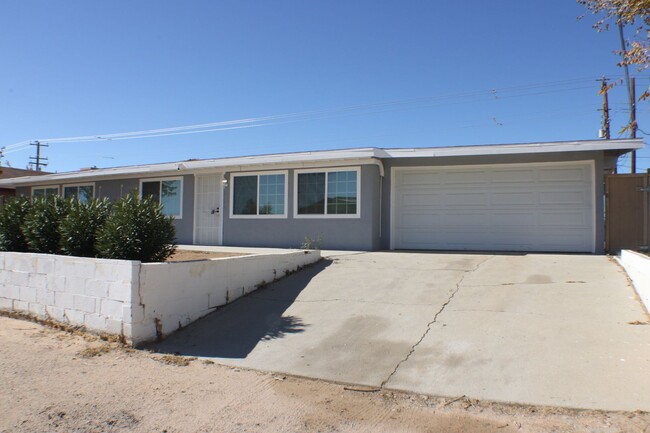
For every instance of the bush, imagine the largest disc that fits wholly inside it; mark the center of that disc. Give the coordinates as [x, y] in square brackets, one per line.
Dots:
[80, 226]
[136, 229]
[12, 216]
[41, 226]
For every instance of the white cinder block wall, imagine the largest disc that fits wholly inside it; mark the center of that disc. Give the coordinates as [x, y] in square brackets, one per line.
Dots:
[140, 302]
[637, 266]
[95, 293]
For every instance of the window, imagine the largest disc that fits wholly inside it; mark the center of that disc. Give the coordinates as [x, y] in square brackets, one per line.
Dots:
[167, 192]
[83, 193]
[45, 191]
[259, 195]
[332, 193]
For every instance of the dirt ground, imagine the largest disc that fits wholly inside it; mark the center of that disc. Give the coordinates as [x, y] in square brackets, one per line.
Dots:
[55, 381]
[187, 255]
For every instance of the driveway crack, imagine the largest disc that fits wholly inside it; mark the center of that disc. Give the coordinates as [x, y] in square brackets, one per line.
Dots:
[430, 324]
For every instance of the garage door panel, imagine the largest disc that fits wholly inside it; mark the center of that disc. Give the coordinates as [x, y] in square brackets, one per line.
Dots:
[525, 207]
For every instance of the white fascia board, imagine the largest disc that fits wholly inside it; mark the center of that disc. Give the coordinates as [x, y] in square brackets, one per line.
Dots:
[507, 149]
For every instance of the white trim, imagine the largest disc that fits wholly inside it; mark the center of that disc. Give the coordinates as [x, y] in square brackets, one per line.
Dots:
[325, 215]
[284, 215]
[161, 179]
[589, 162]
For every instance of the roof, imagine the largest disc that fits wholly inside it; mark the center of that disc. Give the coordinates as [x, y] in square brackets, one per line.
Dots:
[10, 172]
[298, 159]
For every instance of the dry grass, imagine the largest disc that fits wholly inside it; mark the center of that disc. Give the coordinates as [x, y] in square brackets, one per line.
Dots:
[187, 255]
[91, 352]
[178, 361]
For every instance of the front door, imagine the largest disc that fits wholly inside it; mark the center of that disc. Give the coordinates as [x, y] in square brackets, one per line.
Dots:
[208, 212]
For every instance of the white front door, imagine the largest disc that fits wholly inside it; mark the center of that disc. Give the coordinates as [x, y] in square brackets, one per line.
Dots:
[207, 209]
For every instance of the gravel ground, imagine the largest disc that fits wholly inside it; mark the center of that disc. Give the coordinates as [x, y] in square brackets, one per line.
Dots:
[56, 381]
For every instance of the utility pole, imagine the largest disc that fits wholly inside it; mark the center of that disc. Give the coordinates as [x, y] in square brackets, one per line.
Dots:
[633, 121]
[603, 91]
[36, 161]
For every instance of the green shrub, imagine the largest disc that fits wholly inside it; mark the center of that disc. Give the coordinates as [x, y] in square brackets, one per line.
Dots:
[12, 216]
[136, 229]
[80, 226]
[41, 226]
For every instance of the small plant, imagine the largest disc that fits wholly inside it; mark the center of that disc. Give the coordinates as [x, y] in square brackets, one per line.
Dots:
[80, 226]
[41, 225]
[136, 229]
[312, 244]
[12, 217]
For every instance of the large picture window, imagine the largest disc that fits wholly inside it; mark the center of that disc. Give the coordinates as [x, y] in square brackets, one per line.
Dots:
[333, 193]
[259, 195]
[83, 193]
[167, 192]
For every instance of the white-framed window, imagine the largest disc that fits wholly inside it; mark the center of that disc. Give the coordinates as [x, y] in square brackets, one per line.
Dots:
[82, 192]
[327, 193]
[259, 195]
[44, 191]
[167, 191]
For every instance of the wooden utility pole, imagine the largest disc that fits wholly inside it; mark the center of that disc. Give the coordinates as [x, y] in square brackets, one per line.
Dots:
[633, 121]
[37, 160]
[603, 90]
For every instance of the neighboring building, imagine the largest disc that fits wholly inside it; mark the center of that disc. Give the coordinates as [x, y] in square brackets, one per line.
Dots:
[10, 172]
[511, 197]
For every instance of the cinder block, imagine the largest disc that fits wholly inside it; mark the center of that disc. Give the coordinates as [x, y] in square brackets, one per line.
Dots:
[64, 300]
[21, 262]
[114, 326]
[9, 291]
[95, 322]
[135, 312]
[119, 291]
[74, 317]
[6, 304]
[18, 278]
[45, 265]
[83, 268]
[21, 305]
[111, 308]
[98, 288]
[83, 303]
[56, 283]
[55, 313]
[44, 296]
[27, 294]
[38, 280]
[37, 309]
[75, 285]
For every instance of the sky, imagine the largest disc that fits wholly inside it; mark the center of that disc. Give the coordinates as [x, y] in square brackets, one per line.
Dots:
[286, 76]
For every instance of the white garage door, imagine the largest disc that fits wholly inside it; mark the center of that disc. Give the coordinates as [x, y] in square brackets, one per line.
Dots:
[509, 207]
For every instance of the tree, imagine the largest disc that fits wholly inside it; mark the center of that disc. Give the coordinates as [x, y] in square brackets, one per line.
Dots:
[626, 13]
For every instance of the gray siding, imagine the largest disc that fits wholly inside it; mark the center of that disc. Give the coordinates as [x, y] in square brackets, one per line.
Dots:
[496, 159]
[338, 233]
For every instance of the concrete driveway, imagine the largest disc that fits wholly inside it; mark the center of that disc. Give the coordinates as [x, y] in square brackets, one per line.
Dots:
[531, 329]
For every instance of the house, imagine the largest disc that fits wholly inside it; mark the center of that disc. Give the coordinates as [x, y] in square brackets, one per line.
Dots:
[10, 172]
[509, 197]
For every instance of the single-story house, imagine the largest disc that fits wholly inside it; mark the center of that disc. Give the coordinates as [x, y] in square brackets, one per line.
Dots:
[10, 172]
[507, 197]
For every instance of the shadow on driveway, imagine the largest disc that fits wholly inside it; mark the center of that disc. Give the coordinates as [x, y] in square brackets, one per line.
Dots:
[234, 330]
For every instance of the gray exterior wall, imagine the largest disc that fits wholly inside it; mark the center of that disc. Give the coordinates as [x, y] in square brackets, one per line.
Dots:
[338, 233]
[497, 159]
[115, 189]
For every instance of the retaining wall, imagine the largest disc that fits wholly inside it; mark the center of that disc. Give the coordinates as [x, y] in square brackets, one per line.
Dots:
[139, 301]
[637, 266]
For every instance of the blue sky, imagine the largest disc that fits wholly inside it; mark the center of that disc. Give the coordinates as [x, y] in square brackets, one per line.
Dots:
[454, 73]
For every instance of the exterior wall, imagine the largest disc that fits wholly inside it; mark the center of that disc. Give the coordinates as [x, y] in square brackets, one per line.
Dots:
[338, 233]
[139, 302]
[23, 190]
[95, 293]
[637, 266]
[176, 294]
[597, 157]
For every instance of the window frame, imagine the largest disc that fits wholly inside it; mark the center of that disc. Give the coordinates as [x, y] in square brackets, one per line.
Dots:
[231, 182]
[161, 180]
[76, 185]
[326, 215]
[58, 189]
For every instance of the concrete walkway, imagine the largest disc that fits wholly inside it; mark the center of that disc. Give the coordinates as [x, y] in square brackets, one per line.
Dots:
[532, 329]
